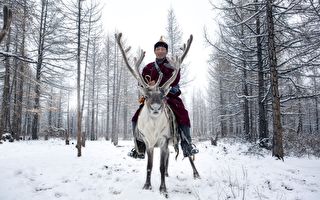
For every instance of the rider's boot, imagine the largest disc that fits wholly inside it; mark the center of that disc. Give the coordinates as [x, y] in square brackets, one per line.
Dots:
[188, 148]
[140, 147]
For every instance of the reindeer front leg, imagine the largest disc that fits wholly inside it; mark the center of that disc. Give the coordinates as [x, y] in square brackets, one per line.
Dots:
[163, 168]
[147, 185]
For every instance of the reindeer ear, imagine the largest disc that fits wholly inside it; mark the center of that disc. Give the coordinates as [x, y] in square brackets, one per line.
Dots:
[143, 90]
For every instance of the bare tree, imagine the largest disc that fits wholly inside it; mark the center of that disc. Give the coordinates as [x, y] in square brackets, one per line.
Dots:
[78, 81]
[20, 77]
[277, 128]
[52, 42]
[7, 17]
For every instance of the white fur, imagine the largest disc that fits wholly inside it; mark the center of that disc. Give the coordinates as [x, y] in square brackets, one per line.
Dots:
[153, 130]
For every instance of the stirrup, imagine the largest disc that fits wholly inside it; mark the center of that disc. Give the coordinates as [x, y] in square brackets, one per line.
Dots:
[190, 151]
[134, 154]
[194, 150]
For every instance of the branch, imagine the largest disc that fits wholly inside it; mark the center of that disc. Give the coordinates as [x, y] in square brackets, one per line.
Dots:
[24, 59]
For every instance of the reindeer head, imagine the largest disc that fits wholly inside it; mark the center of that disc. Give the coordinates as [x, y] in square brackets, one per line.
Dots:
[155, 95]
[155, 100]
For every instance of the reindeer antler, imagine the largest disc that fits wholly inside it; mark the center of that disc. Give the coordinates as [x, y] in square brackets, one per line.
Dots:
[186, 48]
[176, 63]
[7, 17]
[134, 71]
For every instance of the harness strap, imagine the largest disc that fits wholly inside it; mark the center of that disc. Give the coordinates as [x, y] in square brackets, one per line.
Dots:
[173, 126]
[157, 67]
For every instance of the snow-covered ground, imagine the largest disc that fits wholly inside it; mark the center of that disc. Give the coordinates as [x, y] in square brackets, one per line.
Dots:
[46, 170]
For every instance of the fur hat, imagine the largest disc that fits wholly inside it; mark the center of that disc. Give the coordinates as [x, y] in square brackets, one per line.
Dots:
[161, 43]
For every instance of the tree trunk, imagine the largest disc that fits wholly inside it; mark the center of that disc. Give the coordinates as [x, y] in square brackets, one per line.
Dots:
[87, 120]
[92, 135]
[114, 138]
[78, 82]
[68, 120]
[125, 106]
[117, 103]
[223, 126]
[108, 91]
[50, 105]
[310, 121]
[5, 109]
[59, 125]
[316, 102]
[300, 121]
[317, 114]
[277, 147]
[27, 117]
[97, 113]
[42, 31]
[17, 114]
[262, 123]
[246, 120]
[252, 109]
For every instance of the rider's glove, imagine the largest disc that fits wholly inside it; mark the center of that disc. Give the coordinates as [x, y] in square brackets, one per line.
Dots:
[175, 90]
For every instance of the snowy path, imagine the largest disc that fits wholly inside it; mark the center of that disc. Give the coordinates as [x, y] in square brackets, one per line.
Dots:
[46, 170]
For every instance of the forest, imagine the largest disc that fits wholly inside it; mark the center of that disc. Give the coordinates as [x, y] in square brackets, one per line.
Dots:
[62, 76]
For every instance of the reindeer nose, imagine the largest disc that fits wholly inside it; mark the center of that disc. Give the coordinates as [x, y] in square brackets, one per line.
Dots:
[155, 107]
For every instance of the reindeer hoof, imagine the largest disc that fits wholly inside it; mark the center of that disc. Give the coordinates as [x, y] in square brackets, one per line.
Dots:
[163, 191]
[196, 176]
[147, 186]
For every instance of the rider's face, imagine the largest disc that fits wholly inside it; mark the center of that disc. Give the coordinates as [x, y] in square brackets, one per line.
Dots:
[160, 52]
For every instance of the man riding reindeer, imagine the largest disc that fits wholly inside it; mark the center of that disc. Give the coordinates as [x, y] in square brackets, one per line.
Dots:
[151, 74]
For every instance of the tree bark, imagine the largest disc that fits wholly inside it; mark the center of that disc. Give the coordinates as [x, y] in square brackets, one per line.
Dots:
[125, 106]
[317, 114]
[78, 83]
[114, 100]
[107, 135]
[223, 127]
[262, 123]
[300, 121]
[92, 135]
[59, 122]
[5, 109]
[246, 124]
[277, 146]
[42, 31]
[27, 117]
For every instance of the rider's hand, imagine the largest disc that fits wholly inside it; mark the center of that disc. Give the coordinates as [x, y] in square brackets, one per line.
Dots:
[141, 100]
[152, 83]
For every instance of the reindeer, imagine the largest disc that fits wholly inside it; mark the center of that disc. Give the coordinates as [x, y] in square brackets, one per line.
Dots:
[154, 124]
[7, 17]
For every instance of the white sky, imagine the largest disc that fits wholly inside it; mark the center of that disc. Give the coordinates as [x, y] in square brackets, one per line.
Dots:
[142, 22]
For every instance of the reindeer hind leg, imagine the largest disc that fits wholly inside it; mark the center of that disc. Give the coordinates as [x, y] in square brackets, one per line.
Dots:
[195, 171]
[167, 164]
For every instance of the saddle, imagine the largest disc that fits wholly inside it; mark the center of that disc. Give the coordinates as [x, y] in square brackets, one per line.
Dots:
[173, 129]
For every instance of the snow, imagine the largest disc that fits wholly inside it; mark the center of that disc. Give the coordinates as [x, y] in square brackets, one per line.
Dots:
[34, 170]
